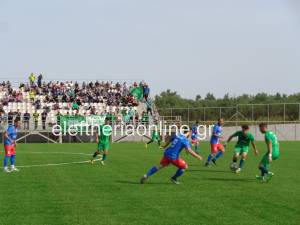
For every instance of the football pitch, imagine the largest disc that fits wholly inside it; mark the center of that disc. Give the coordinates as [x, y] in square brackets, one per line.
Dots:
[56, 186]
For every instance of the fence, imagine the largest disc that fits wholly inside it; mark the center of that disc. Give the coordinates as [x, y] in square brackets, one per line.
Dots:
[243, 113]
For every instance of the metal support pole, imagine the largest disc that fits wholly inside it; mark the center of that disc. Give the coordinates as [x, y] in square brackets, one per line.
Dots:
[295, 131]
[188, 115]
[268, 113]
[236, 115]
[252, 115]
[284, 113]
[299, 112]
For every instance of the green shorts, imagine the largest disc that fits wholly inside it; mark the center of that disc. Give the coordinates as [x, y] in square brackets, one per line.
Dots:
[241, 150]
[265, 158]
[155, 138]
[103, 146]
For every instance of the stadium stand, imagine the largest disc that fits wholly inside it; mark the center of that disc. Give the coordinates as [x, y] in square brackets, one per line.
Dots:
[38, 104]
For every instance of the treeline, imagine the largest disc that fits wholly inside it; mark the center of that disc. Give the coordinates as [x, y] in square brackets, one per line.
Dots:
[275, 112]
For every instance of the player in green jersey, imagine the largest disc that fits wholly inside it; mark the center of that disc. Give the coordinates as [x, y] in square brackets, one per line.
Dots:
[103, 138]
[242, 147]
[155, 137]
[271, 155]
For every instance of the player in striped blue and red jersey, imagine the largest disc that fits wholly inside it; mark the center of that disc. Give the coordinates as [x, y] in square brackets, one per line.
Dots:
[10, 137]
[171, 156]
[217, 149]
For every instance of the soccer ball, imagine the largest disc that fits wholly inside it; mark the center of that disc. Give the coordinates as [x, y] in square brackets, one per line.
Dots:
[233, 166]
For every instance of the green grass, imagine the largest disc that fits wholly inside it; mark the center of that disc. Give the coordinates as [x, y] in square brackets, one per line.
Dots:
[94, 194]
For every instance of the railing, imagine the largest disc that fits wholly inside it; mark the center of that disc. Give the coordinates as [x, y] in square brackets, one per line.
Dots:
[250, 113]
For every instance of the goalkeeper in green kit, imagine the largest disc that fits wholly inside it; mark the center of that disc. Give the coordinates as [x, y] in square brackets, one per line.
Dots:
[242, 146]
[271, 155]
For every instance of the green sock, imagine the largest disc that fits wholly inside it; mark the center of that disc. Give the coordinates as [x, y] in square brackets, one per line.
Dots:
[103, 157]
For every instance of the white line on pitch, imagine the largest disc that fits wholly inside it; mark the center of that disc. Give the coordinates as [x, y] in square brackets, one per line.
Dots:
[56, 164]
[63, 153]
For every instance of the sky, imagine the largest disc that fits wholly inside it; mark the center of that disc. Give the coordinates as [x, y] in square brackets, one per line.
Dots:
[191, 46]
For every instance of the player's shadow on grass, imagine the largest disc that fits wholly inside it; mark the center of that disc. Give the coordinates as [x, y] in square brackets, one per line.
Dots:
[138, 182]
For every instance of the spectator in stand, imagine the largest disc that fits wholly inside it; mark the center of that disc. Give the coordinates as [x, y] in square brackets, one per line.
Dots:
[131, 114]
[75, 106]
[1, 119]
[36, 116]
[39, 81]
[118, 118]
[123, 111]
[32, 95]
[26, 118]
[146, 91]
[2, 110]
[78, 102]
[18, 115]
[19, 97]
[10, 117]
[44, 119]
[149, 106]
[145, 118]
[125, 88]
[32, 79]
[58, 117]
[93, 111]
[74, 95]
[37, 104]
[76, 113]
[137, 118]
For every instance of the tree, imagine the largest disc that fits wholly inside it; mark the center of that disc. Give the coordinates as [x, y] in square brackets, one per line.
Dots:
[198, 98]
[171, 99]
[210, 97]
